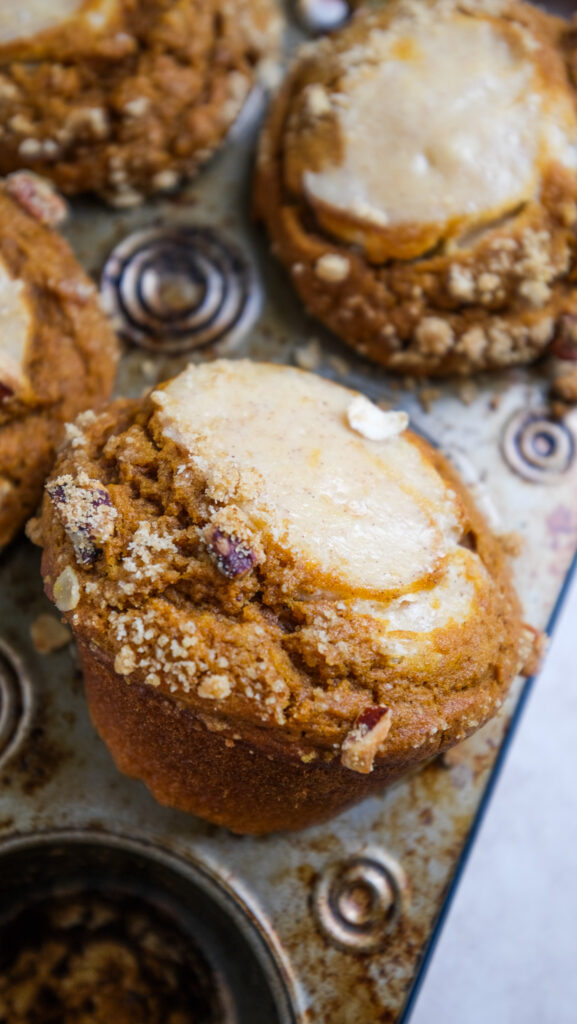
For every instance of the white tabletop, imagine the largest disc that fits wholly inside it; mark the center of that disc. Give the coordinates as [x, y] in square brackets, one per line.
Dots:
[508, 951]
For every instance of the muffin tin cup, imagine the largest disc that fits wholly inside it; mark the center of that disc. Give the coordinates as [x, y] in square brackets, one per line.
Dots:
[172, 931]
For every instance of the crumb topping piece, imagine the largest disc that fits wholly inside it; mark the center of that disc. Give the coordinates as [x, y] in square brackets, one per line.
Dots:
[215, 687]
[332, 268]
[49, 634]
[373, 423]
[276, 443]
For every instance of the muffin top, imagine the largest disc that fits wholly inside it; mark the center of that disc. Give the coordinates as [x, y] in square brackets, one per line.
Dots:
[272, 549]
[126, 97]
[426, 123]
[57, 351]
[44, 293]
[418, 177]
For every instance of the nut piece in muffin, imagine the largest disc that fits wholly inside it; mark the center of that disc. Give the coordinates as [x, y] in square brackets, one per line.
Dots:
[418, 178]
[125, 97]
[282, 598]
[57, 351]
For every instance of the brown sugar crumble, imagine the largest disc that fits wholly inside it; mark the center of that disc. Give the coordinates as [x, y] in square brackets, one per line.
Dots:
[513, 544]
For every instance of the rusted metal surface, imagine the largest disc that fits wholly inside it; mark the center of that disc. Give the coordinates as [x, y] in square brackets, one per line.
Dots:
[345, 909]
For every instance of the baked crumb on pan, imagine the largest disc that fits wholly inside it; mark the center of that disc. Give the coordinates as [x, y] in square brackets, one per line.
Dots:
[283, 599]
[57, 351]
[126, 97]
[418, 179]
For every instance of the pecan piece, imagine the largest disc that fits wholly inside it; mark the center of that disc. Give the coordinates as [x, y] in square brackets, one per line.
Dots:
[361, 744]
[532, 650]
[564, 344]
[5, 392]
[67, 590]
[86, 512]
[37, 197]
[232, 557]
[564, 387]
[368, 420]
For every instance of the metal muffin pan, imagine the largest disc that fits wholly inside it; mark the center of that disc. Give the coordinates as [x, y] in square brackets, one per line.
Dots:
[332, 925]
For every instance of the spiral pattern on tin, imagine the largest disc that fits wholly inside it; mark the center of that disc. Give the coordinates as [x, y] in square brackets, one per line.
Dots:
[538, 448]
[16, 701]
[175, 289]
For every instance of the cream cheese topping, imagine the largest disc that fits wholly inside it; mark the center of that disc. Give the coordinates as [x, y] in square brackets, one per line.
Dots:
[407, 627]
[441, 117]
[449, 600]
[25, 19]
[15, 329]
[276, 442]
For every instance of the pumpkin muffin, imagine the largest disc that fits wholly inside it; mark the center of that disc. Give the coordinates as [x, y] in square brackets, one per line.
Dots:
[418, 178]
[282, 598]
[125, 97]
[57, 351]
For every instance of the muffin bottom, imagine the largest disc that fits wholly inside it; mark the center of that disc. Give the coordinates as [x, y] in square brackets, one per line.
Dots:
[250, 785]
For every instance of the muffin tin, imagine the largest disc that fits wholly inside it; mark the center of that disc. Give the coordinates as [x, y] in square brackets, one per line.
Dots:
[332, 924]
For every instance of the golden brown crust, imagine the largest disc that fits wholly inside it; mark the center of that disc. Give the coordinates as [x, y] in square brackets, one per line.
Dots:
[251, 786]
[494, 300]
[227, 693]
[70, 362]
[137, 106]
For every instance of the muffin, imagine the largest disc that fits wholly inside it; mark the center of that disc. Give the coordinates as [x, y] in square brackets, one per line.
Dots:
[418, 179]
[282, 598]
[57, 351]
[125, 97]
